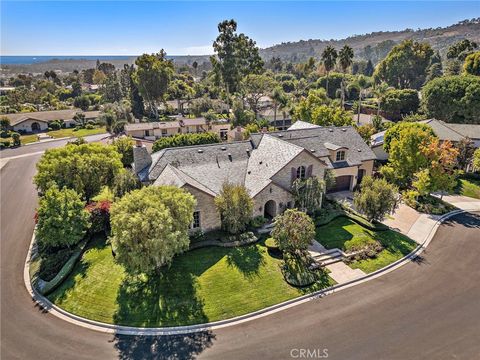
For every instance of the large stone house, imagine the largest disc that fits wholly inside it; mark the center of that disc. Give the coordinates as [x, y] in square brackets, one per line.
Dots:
[266, 165]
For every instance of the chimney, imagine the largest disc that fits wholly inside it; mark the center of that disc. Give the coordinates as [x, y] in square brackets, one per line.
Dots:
[141, 157]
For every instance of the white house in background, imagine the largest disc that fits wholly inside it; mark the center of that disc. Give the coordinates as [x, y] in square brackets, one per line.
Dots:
[266, 165]
[444, 131]
[34, 122]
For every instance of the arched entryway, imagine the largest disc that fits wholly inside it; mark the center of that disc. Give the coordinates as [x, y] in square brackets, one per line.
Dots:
[35, 127]
[270, 209]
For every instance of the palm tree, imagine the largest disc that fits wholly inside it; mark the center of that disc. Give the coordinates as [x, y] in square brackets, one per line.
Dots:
[379, 91]
[345, 57]
[329, 58]
[362, 83]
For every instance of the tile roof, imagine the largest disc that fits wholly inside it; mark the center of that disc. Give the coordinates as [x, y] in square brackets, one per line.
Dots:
[264, 163]
[470, 130]
[49, 115]
[443, 131]
[314, 140]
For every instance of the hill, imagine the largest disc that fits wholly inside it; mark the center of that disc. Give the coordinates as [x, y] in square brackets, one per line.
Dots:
[375, 46]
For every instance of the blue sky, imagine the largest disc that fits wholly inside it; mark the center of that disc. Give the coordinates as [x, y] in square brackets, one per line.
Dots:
[131, 28]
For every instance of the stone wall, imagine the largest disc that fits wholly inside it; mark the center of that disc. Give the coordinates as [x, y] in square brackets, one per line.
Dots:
[275, 193]
[209, 217]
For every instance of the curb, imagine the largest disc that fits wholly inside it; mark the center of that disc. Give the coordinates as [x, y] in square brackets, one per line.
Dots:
[44, 303]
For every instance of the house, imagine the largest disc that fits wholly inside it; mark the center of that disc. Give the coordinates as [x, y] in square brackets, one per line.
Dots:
[38, 121]
[444, 131]
[156, 130]
[266, 165]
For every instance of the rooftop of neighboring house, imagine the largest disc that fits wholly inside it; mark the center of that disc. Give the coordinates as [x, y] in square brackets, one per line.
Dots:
[179, 122]
[444, 131]
[47, 116]
[252, 162]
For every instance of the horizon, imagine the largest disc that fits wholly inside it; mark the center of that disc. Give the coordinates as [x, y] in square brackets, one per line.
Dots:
[189, 28]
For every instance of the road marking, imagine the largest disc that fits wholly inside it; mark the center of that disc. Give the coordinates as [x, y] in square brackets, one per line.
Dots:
[21, 156]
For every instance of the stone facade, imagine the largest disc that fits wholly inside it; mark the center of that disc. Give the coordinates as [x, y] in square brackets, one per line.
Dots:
[209, 217]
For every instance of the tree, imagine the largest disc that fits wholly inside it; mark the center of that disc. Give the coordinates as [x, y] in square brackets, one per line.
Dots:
[476, 160]
[405, 65]
[376, 198]
[329, 58]
[362, 83]
[16, 139]
[305, 107]
[124, 147]
[79, 118]
[82, 102]
[461, 49]
[152, 77]
[345, 57]
[255, 87]
[439, 172]
[124, 182]
[402, 142]
[4, 123]
[434, 71]
[185, 140]
[111, 89]
[380, 91]
[106, 68]
[471, 66]
[452, 99]
[366, 131]
[98, 77]
[466, 150]
[308, 193]
[400, 102]
[180, 90]
[61, 218]
[84, 168]
[294, 231]
[280, 102]
[324, 115]
[195, 66]
[236, 56]
[150, 226]
[113, 124]
[235, 207]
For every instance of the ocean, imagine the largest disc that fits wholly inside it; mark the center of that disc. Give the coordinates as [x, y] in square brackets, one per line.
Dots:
[27, 60]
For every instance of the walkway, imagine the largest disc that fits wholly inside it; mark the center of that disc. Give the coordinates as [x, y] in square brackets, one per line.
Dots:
[339, 271]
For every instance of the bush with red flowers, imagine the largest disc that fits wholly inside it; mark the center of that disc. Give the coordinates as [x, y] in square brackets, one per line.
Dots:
[99, 216]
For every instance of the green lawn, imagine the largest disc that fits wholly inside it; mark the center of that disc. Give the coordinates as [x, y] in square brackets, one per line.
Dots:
[470, 188]
[69, 132]
[202, 285]
[344, 234]
[24, 139]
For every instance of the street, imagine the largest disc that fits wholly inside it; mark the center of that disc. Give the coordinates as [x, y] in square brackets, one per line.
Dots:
[429, 308]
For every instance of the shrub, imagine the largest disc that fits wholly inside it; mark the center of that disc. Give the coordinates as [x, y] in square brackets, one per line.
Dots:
[243, 238]
[185, 140]
[271, 244]
[54, 125]
[5, 143]
[16, 139]
[89, 127]
[99, 216]
[258, 221]
[91, 122]
[197, 236]
[4, 134]
[368, 247]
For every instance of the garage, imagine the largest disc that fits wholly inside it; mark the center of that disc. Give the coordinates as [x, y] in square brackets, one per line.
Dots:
[342, 183]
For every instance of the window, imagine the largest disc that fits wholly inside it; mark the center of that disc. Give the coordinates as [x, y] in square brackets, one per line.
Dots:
[224, 134]
[147, 132]
[164, 132]
[340, 155]
[301, 172]
[196, 220]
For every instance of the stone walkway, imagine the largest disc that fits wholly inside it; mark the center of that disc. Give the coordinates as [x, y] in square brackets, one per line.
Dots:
[339, 271]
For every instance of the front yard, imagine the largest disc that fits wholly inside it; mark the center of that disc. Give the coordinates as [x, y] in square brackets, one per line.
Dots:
[469, 187]
[202, 285]
[345, 234]
[71, 132]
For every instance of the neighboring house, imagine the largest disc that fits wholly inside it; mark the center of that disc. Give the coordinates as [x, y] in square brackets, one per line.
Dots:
[38, 121]
[266, 165]
[156, 130]
[444, 131]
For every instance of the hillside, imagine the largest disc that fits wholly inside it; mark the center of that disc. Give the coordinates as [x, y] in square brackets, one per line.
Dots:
[375, 46]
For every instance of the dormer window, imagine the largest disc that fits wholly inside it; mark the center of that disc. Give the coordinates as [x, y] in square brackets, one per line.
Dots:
[301, 172]
[340, 155]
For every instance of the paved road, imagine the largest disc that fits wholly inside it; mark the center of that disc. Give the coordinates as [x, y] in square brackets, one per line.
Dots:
[427, 309]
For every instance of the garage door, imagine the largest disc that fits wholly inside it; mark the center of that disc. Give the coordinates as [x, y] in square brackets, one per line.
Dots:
[342, 183]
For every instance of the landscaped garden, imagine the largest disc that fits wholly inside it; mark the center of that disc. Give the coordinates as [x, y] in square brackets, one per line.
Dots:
[202, 285]
[383, 247]
[469, 187]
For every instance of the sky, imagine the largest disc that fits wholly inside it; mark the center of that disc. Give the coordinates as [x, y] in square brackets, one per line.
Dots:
[189, 28]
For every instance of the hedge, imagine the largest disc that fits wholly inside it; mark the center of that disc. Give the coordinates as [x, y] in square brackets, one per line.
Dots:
[46, 287]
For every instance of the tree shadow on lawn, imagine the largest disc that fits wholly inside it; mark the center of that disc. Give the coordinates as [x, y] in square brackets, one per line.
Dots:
[167, 299]
[333, 235]
[247, 259]
[171, 347]
[394, 242]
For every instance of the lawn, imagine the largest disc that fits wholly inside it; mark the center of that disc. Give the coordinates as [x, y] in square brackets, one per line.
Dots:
[202, 285]
[344, 233]
[69, 132]
[470, 188]
[24, 139]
